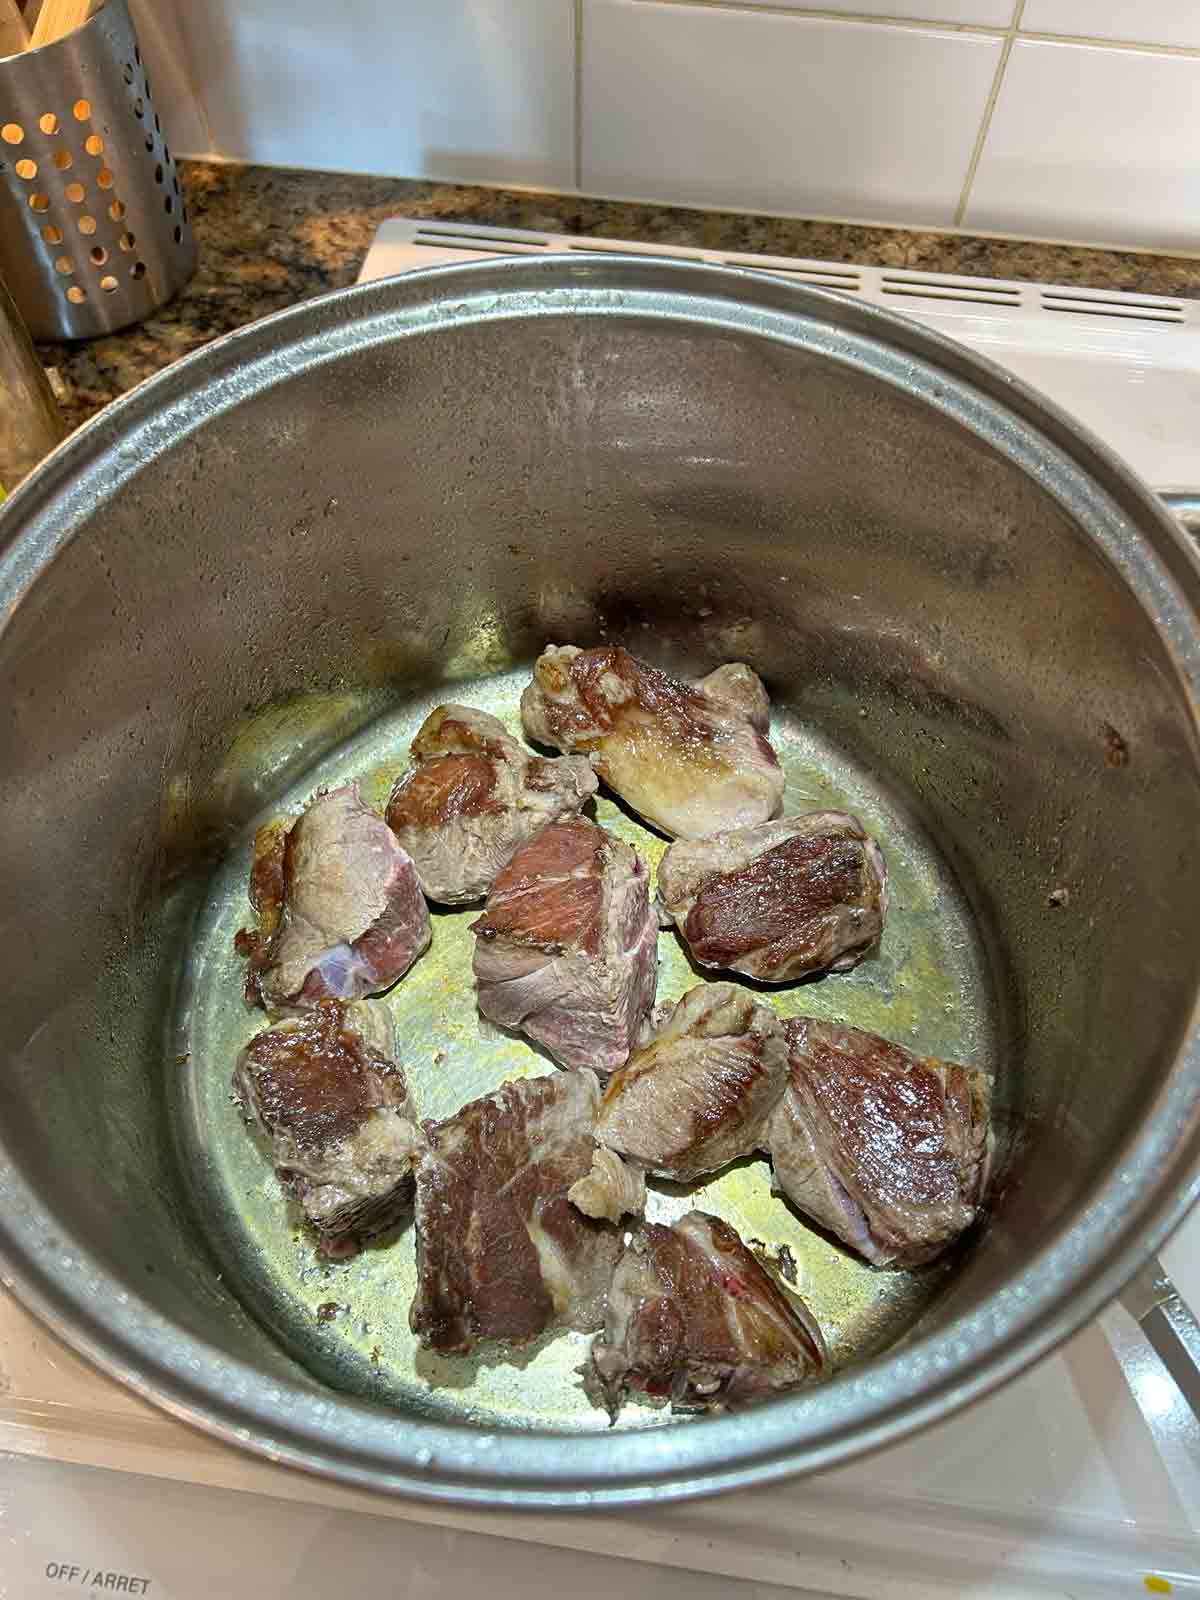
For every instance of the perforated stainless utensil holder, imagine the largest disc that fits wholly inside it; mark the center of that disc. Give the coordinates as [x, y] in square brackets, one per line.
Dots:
[94, 230]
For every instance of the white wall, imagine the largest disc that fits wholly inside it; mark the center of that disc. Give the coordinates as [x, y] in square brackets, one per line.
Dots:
[1070, 119]
[169, 67]
[463, 89]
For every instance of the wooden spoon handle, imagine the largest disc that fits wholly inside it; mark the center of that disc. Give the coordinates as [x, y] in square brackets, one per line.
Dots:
[58, 17]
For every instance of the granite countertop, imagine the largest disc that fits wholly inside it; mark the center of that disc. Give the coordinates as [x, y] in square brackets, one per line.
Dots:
[269, 238]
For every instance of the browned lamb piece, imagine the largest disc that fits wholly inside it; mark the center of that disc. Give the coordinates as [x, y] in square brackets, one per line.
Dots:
[779, 901]
[340, 911]
[502, 1254]
[473, 797]
[888, 1150]
[330, 1106]
[689, 759]
[693, 1317]
[697, 1097]
[567, 946]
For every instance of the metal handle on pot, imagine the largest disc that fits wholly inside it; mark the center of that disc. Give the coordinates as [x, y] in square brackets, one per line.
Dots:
[1172, 1331]
[1184, 505]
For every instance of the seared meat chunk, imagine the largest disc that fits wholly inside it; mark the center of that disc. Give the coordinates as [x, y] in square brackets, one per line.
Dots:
[567, 945]
[502, 1254]
[473, 797]
[888, 1150]
[331, 1108]
[689, 760]
[695, 1098]
[340, 912]
[781, 900]
[693, 1317]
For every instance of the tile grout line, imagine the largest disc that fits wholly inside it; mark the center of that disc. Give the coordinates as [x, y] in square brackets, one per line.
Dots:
[772, 8]
[985, 121]
[777, 8]
[577, 152]
[1139, 47]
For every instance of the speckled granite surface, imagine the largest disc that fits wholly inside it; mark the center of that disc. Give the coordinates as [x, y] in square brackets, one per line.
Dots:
[269, 238]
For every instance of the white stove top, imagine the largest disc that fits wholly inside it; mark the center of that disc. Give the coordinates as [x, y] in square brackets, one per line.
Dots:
[1080, 1479]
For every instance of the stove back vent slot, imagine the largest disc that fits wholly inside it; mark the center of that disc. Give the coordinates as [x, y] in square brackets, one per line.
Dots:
[1095, 303]
[931, 286]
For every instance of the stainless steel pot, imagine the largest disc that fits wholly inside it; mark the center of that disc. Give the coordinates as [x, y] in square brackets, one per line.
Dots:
[236, 569]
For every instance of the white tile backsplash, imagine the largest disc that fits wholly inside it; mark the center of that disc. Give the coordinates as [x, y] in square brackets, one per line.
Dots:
[461, 89]
[1095, 144]
[980, 13]
[161, 42]
[776, 106]
[762, 111]
[1174, 22]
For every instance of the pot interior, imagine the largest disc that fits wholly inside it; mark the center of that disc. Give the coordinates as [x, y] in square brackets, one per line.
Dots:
[268, 565]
